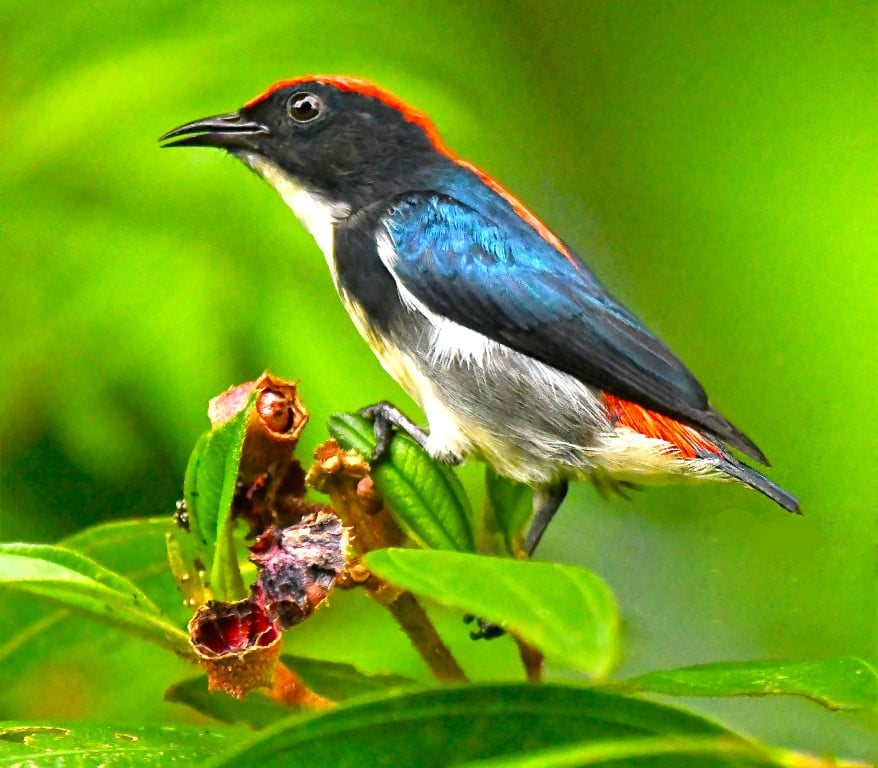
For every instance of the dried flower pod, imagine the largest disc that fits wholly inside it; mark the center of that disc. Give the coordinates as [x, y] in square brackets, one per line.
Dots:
[271, 481]
[274, 424]
[237, 645]
[332, 463]
[344, 477]
[299, 565]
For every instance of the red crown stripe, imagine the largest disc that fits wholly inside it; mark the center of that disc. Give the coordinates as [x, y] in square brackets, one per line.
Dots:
[368, 88]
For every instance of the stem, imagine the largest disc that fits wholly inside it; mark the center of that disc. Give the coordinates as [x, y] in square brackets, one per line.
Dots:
[290, 690]
[413, 620]
[338, 473]
[532, 659]
[225, 576]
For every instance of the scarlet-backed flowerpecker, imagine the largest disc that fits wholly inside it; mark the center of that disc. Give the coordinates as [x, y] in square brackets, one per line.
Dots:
[510, 345]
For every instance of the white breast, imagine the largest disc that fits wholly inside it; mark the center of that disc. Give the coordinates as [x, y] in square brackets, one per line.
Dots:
[317, 214]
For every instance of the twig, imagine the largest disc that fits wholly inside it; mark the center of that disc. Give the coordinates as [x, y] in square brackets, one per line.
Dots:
[344, 477]
[531, 659]
[413, 620]
[290, 690]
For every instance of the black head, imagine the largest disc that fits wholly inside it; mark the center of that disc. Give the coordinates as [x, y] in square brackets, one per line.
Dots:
[343, 138]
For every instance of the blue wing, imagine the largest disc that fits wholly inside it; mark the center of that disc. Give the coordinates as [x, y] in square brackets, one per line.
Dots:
[489, 271]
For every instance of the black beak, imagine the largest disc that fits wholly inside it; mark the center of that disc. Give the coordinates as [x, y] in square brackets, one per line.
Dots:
[231, 131]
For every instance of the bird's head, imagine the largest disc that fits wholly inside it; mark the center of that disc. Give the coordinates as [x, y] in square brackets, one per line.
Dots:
[342, 138]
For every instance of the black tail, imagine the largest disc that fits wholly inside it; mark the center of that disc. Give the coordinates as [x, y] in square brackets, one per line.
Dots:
[759, 482]
[719, 426]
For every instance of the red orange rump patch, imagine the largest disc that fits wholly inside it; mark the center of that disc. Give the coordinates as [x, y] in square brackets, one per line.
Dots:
[688, 441]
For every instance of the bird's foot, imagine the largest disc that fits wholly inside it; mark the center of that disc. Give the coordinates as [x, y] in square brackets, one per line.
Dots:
[486, 630]
[385, 417]
[608, 486]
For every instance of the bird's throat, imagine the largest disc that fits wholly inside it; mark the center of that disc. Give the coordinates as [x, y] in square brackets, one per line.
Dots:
[317, 214]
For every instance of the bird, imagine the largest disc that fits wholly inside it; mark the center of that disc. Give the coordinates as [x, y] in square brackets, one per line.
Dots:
[508, 342]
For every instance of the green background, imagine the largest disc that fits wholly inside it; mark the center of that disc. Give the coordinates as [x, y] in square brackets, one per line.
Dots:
[713, 162]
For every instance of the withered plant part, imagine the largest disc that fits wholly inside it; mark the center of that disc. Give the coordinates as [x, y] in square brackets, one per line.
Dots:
[299, 565]
[271, 481]
[238, 643]
[301, 549]
[344, 477]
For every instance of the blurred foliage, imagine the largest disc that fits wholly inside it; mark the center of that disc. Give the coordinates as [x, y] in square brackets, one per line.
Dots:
[714, 162]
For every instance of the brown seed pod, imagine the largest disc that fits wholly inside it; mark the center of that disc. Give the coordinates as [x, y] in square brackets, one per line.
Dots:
[237, 645]
[299, 565]
[271, 481]
[344, 477]
[274, 423]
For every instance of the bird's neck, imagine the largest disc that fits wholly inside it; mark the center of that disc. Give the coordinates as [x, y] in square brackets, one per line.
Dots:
[317, 213]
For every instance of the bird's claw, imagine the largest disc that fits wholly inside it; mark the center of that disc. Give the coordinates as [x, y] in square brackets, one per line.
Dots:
[383, 436]
[384, 418]
[487, 630]
[382, 429]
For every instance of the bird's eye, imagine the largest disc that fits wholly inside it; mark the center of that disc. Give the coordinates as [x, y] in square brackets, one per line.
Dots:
[304, 107]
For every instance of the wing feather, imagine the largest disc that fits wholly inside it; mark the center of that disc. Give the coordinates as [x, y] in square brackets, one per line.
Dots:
[494, 274]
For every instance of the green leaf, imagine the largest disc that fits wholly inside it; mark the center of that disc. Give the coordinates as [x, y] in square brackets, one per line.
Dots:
[565, 611]
[81, 567]
[449, 725]
[333, 680]
[842, 683]
[339, 681]
[509, 508]
[255, 710]
[79, 583]
[122, 541]
[45, 641]
[132, 548]
[426, 498]
[195, 497]
[209, 488]
[75, 744]
[664, 752]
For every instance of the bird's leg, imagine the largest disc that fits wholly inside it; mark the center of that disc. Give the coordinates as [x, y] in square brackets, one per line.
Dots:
[385, 416]
[547, 500]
